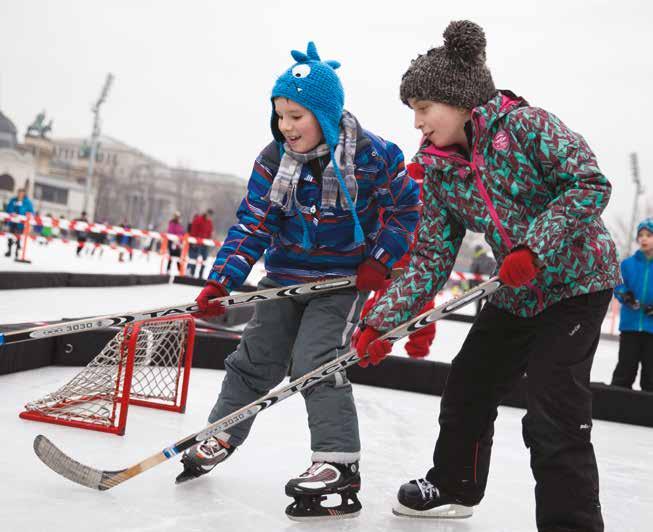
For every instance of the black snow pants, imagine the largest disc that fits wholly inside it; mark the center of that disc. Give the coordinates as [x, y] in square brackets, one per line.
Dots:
[555, 349]
[635, 348]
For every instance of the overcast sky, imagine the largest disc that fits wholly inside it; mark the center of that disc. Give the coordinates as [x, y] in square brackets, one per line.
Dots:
[193, 78]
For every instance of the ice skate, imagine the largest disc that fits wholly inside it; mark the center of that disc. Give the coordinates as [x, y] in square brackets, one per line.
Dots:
[420, 498]
[200, 459]
[313, 487]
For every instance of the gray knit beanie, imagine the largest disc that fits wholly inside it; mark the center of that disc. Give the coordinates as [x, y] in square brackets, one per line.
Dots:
[454, 73]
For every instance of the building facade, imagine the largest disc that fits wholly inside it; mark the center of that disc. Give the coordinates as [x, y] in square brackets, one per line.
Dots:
[17, 168]
[128, 186]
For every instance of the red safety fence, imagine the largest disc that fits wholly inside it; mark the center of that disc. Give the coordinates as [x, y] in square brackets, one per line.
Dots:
[30, 221]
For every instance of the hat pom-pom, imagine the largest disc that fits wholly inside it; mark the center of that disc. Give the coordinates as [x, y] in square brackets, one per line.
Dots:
[465, 40]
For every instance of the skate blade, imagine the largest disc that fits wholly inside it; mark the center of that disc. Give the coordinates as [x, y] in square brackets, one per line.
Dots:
[185, 476]
[323, 517]
[446, 511]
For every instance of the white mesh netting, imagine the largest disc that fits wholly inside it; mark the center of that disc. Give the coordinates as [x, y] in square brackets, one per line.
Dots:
[95, 395]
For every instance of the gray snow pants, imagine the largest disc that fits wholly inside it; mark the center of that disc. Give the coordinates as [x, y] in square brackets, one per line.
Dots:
[310, 330]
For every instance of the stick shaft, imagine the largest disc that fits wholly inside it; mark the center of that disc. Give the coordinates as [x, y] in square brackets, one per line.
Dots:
[119, 320]
[103, 480]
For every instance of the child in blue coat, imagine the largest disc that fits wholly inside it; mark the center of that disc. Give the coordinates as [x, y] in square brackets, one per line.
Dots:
[636, 325]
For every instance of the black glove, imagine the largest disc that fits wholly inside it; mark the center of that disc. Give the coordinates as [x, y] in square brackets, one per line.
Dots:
[648, 310]
[629, 299]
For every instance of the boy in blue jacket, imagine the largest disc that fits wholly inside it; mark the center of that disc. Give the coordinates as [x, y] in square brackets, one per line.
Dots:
[312, 207]
[20, 204]
[636, 325]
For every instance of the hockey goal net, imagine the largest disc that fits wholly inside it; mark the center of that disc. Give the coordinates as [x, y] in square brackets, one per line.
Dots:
[147, 364]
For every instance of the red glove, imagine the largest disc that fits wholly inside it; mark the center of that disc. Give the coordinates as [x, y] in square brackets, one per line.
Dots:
[518, 268]
[371, 275]
[208, 309]
[420, 341]
[367, 343]
[416, 171]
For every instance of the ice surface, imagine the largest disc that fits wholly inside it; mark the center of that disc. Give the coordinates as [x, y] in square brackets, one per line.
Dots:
[246, 493]
[397, 431]
[58, 256]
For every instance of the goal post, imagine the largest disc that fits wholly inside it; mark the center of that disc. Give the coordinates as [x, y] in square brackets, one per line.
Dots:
[147, 363]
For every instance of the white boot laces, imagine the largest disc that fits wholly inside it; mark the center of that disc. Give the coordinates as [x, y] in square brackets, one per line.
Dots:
[428, 490]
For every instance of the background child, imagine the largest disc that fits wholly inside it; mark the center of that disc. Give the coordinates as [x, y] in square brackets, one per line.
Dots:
[495, 165]
[314, 219]
[636, 324]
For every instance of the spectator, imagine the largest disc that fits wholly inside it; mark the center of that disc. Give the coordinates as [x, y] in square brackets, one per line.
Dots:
[482, 264]
[125, 241]
[202, 227]
[99, 240]
[174, 246]
[56, 229]
[46, 231]
[636, 323]
[63, 230]
[20, 204]
[37, 225]
[81, 232]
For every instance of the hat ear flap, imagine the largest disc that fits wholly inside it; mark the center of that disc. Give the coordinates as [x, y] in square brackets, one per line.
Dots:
[311, 51]
[298, 56]
[333, 64]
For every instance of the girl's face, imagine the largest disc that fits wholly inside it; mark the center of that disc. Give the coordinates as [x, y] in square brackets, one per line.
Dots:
[442, 124]
[298, 125]
[645, 239]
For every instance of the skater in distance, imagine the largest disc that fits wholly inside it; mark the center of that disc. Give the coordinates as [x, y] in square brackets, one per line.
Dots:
[636, 321]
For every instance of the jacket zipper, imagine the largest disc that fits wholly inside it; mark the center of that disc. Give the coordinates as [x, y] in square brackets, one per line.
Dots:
[495, 217]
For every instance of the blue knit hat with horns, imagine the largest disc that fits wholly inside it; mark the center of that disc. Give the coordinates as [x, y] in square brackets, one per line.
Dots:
[314, 84]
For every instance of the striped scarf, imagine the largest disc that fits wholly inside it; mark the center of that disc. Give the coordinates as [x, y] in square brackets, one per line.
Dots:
[283, 192]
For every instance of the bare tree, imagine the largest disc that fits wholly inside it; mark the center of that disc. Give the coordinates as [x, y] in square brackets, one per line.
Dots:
[648, 207]
[107, 187]
[622, 232]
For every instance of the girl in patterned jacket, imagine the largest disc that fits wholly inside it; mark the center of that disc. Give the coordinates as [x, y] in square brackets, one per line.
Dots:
[495, 165]
[314, 219]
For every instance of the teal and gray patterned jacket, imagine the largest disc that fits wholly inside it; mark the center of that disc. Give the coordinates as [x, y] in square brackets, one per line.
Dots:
[528, 181]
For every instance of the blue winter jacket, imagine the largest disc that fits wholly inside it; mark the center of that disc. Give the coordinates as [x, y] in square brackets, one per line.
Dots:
[383, 185]
[15, 206]
[637, 272]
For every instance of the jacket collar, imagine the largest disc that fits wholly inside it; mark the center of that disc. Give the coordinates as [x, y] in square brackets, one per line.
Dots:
[483, 117]
[641, 256]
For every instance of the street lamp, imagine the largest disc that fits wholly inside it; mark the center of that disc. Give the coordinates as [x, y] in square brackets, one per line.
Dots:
[94, 137]
[639, 190]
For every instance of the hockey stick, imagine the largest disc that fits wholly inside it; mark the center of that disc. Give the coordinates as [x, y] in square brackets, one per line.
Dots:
[118, 320]
[98, 479]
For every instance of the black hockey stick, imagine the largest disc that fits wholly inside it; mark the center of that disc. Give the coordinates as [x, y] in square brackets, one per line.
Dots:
[97, 479]
[118, 320]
